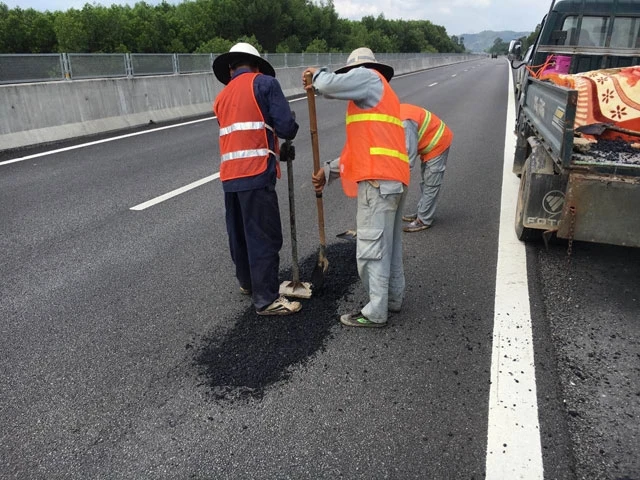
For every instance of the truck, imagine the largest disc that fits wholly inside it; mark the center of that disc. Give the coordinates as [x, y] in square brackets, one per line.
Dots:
[578, 181]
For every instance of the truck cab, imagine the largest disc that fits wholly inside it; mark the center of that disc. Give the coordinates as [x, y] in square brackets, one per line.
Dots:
[596, 34]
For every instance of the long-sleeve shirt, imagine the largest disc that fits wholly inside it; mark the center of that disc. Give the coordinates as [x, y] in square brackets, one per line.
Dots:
[363, 87]
[277, 113]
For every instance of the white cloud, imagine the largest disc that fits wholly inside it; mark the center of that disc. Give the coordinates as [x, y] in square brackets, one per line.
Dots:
[457, 16]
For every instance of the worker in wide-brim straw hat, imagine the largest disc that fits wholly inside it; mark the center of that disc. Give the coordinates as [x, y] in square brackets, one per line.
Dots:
[374, 167]
[253, 112]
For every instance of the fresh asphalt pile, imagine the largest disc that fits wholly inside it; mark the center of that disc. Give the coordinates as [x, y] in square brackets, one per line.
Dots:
[241, 363]
[617, 151]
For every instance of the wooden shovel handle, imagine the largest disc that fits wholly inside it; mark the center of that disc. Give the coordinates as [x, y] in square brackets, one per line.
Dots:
[313, 122]
[313, 128]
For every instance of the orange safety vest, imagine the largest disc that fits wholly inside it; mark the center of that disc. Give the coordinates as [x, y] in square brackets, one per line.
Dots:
[244, 147]
[434, 137]
[375, 147]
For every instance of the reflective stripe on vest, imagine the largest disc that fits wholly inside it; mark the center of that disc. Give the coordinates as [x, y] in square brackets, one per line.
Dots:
[246, 154]
[243, 127]
[436, 138]
[373, 117]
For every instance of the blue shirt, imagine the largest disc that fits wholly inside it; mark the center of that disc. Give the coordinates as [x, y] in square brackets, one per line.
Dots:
[277, 113]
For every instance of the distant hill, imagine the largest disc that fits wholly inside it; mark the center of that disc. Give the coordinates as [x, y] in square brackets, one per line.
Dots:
[479, 42]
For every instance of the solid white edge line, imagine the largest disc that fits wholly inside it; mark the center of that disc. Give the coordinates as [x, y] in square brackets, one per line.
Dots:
[104, 140]
[513, 433]
[112, 139]
[175, 192]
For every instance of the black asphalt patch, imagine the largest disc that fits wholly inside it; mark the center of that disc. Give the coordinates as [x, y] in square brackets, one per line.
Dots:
[257, 352]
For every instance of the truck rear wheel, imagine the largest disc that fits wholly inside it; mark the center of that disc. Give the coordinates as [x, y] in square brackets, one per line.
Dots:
[524, 233]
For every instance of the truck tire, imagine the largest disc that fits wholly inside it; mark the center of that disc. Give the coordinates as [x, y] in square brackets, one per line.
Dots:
[524, 233]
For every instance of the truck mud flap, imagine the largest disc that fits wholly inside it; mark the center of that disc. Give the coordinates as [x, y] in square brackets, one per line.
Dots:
[602, 209]
[543, 201]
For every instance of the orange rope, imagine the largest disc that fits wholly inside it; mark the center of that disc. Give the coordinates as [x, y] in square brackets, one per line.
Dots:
[536, 70]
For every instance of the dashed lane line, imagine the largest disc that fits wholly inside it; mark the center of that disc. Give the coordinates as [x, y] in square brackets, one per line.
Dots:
[173, 193]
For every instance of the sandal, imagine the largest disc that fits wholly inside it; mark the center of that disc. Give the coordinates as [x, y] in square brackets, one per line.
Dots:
[415, 226]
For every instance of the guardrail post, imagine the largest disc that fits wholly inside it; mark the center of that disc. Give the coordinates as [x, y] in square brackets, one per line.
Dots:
[176, 66]
[65, 66]
[128, 65]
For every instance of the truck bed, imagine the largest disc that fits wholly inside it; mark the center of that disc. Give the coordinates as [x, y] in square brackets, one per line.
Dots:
[550, 111]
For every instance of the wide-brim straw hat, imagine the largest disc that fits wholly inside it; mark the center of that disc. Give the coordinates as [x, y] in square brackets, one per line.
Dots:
[221, 64]
[364, 57]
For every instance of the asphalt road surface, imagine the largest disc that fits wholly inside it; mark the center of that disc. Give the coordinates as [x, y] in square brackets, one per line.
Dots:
[128, 351]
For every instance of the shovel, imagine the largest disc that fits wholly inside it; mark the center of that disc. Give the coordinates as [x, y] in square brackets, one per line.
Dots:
[294, 288]
[322, 265]
[598, 128]
[348, 235]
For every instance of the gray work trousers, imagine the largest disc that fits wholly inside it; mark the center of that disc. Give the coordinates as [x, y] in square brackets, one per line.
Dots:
[379, 250]
[431, 173]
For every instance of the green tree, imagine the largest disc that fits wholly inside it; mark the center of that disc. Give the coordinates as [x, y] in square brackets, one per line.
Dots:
[499, 47]
[274, 25]
[71, 32]
[318, 45]
[290, 44]
[215, 45]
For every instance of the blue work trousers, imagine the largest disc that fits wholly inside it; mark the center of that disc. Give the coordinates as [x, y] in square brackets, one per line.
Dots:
[255, 240]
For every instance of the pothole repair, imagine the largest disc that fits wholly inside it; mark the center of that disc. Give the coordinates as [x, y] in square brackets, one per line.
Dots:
[257, 352]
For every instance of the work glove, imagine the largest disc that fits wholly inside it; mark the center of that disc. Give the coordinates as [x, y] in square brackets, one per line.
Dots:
[287, 151]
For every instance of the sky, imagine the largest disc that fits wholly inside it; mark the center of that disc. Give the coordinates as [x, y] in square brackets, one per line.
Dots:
[457, 16]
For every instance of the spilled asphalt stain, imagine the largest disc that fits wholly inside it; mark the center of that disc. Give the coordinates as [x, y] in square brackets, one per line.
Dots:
[257, 352]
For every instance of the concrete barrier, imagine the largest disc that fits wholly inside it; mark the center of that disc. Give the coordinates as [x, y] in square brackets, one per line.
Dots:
[40, 113]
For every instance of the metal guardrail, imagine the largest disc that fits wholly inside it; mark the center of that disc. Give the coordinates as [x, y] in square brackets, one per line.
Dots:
[23, 68]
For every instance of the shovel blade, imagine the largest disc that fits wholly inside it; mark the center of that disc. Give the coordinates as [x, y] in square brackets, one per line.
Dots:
[348, 235]
[319, 273]
[295, 289]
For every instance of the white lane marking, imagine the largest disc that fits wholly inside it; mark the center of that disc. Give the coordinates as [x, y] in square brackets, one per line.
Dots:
[175, 192]
[112, 139]
[104, 140]
[433, 84]
[513, 434]
[454, 75]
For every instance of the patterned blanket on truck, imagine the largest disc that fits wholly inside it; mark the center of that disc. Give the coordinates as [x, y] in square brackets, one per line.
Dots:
[608, 96]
